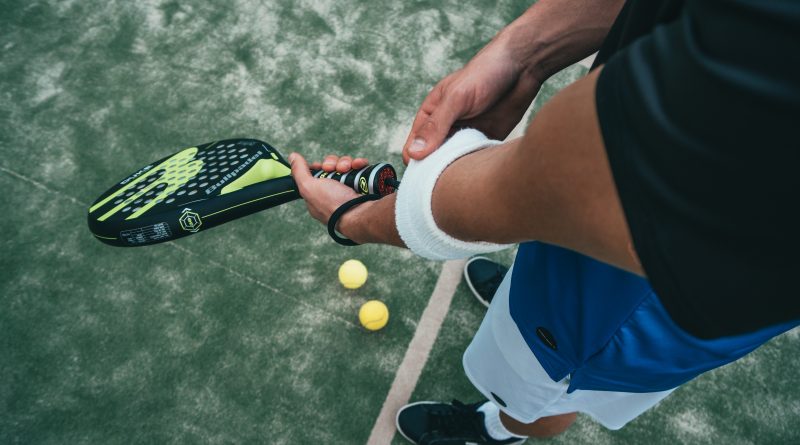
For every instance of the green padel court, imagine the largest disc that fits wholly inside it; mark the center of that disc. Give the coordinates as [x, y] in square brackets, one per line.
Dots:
[242, 334]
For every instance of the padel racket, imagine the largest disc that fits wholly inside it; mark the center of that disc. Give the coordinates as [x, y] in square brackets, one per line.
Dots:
[207, 185]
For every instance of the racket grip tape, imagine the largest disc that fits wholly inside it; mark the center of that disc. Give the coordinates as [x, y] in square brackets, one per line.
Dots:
[378, 179]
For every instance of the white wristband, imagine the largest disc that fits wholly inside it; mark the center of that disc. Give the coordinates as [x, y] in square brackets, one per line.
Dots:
[413, 212]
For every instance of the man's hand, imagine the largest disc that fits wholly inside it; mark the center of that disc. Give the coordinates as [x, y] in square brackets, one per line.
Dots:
[491, 93]
[324, 196]
[370, 222]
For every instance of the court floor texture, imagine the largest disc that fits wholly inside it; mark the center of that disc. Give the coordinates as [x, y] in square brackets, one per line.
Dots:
[242, 334]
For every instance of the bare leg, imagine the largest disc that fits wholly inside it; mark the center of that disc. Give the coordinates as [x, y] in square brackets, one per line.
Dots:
[544, 427]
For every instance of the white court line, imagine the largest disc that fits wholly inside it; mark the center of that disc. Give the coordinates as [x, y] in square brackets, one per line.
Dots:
[41, 185]
[208, 261]
[417, 353]
[257, 282]
[405, 380]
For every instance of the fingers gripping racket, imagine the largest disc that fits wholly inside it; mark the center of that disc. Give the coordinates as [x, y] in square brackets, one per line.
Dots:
[204, 186]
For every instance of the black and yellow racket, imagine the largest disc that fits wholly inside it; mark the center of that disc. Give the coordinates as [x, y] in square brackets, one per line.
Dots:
[207, 185]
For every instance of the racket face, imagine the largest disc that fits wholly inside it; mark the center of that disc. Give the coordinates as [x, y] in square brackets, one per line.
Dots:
[192, 190]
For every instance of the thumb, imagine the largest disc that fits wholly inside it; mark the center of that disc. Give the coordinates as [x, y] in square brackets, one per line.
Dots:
[431, 132]
[300, 171]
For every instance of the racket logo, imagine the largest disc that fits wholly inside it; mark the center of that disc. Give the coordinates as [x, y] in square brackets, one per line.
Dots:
[362, 184]
[190, 221]
[136, 175]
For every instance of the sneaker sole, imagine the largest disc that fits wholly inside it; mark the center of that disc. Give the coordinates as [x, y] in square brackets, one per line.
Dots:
[469, 283]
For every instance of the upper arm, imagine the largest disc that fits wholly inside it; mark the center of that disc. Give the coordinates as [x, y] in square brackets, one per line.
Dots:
[553, 185]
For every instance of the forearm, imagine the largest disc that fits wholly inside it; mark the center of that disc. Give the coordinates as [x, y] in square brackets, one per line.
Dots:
[464, 187]
[553, 34]
[372, 222]
[553, 185]
[460, 189]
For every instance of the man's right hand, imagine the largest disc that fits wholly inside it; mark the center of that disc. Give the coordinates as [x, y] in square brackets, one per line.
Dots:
[491, 93]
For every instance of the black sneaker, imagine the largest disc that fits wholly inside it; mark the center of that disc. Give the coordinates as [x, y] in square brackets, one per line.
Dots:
[484, 277]
[433, 423]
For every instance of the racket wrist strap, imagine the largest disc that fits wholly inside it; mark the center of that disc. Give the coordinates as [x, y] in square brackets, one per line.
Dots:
[337, 215]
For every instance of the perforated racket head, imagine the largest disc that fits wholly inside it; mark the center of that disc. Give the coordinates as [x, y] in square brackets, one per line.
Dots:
[192, 190]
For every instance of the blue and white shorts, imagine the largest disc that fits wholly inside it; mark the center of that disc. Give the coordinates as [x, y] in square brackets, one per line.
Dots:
[501, 366]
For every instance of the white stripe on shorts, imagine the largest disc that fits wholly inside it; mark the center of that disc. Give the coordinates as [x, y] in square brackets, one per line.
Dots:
[502, 366]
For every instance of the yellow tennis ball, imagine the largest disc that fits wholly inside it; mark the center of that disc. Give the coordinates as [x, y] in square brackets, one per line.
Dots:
[373, 315]
[352, 274]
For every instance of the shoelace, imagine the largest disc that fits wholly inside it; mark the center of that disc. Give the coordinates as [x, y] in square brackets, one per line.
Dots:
[458, 421]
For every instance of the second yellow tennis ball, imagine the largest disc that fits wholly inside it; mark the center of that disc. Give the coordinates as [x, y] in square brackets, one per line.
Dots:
[352, 274]
[373, 315]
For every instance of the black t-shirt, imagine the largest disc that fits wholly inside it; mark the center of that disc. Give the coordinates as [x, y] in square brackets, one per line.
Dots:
[699, 106]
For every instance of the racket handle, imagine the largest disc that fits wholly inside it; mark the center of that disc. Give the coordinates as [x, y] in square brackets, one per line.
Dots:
[378, 179]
